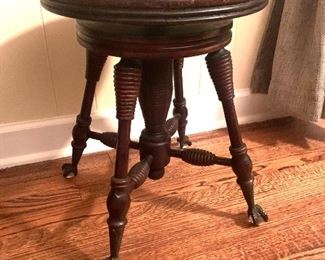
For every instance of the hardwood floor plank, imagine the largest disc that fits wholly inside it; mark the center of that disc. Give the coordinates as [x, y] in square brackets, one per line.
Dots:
[192, 213]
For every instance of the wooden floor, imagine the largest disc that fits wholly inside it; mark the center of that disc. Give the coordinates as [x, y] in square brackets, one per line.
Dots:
[192, 213]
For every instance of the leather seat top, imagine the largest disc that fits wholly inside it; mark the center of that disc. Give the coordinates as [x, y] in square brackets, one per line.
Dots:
[153, 11]
[149, 3]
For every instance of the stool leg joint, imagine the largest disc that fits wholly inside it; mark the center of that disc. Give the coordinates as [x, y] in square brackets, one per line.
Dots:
[110, 139]
[172, 124]
[199, 157]
[139, 173]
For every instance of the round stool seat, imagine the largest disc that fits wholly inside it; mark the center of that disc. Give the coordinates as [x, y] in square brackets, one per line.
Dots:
[154, 28]
[153, 41]
[153, 11]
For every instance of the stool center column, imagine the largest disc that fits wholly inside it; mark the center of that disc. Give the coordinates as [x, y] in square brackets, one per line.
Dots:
[155, 99]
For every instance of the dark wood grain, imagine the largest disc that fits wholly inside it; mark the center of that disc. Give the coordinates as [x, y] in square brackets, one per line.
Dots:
[155, 98]
[145, 41]
[154, 11]
[127, 82]
[148, 4]
[180, 109]
[80, 133]
[43, 216]
[220, 68]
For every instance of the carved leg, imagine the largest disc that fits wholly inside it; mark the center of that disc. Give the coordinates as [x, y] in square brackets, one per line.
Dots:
[127, 80]
[220, 69]
[95, 64]
[155, 99]
[180, 103]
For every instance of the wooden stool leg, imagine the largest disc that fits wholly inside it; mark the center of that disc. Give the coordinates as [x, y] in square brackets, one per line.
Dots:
[180, 103]
[95, 64]
[127, 80]
[220, 69]
[155, 98]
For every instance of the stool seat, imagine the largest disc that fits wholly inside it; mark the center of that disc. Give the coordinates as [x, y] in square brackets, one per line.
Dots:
[155, 28]
[153, 11]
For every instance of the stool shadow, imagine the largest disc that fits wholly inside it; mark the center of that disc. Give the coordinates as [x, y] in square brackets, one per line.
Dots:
[288, 130]
[194, 207]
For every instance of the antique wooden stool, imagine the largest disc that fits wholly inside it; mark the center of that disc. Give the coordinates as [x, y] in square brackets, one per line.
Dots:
[152, 37]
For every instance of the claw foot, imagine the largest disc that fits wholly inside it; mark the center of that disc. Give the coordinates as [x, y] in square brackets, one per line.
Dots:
[185, 141]
[256, 215]
[69, 171]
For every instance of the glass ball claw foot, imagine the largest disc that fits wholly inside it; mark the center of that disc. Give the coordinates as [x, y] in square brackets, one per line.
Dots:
[257, 215]
[69, 171]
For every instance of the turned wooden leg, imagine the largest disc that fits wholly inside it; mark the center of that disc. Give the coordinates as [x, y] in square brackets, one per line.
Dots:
[95, 64]
[127, 80]
[155, 98]
[220, 69]
[180, 103]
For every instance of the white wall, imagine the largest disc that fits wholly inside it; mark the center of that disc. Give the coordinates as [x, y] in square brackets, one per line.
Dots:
[41, 82]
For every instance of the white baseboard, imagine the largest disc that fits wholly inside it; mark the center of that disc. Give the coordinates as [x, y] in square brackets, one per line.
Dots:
[35, 141]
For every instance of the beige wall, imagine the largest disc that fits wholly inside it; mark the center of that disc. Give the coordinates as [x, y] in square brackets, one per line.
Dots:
[41, 65]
